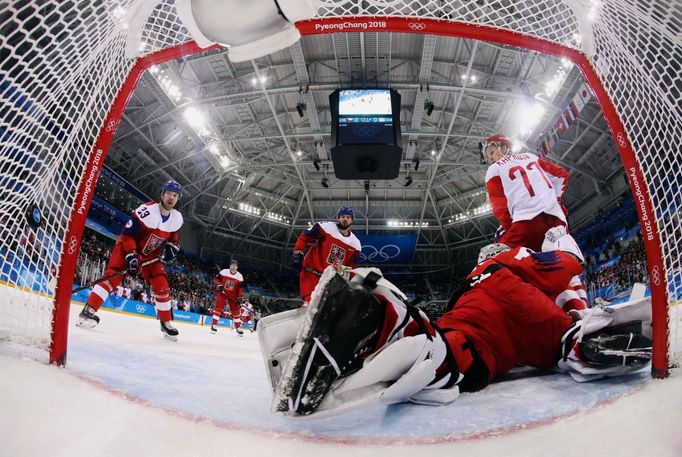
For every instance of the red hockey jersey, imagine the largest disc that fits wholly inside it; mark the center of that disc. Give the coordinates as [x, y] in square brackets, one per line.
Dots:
[147, 230]
[232, 283]
[331, 247]
[507, 313]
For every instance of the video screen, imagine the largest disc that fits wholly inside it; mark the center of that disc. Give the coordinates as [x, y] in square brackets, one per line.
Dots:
[365, 117]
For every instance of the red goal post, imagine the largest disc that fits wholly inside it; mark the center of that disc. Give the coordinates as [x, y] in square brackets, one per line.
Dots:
[65, 82]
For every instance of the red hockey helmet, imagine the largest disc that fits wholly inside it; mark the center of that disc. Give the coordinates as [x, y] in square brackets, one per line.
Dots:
[499, 140]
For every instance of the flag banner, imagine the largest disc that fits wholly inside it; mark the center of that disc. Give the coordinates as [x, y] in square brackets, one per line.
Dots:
[386, 249]
[566, 119]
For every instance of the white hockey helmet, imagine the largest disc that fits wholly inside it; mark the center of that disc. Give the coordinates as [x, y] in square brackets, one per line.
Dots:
[491, 250]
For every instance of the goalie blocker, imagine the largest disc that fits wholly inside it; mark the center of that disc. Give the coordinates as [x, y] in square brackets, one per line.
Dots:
[358, 344]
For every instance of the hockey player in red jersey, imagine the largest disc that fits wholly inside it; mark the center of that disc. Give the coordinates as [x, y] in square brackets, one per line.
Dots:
[229, 283]
[248, 316]
[335, 245]
[360, 344]
[152, 231]
[526, 193]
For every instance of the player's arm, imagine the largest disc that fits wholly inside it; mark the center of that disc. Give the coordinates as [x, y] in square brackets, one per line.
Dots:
[353, 262]
[498, 201]
[306, 236]
[557, 175]
[171, 248]
[130, 233]
[218, 282]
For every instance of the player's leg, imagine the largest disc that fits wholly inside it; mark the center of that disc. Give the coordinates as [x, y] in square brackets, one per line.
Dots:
[87, 317]
[155, 274]
[530, 233]
[220, 300]
[308, 281]
[235, 309]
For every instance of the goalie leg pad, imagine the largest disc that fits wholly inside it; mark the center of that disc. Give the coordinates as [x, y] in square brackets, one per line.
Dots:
[403, 370]
[341, 323]
[276, 335]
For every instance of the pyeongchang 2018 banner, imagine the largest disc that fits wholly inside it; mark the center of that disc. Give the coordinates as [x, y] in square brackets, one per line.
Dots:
[386, 249]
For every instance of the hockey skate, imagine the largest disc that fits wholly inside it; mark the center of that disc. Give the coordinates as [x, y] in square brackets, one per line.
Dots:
[239, 331]
[341, 324]
[213, 330]
[169, 331]
[87, 318]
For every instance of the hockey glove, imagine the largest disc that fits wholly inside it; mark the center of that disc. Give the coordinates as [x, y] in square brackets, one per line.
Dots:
[170, 252]
[297, 259]
[132, 263]
[241, 300]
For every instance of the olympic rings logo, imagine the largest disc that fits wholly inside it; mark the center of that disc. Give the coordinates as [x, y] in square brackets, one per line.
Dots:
[387, 252]
[620, 138]
[73, 242]
[111, 125]
[140, 309]
[417, 26]
[656, 275]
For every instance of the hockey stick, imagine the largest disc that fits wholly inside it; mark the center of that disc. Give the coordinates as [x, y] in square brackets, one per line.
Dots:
[113, 275]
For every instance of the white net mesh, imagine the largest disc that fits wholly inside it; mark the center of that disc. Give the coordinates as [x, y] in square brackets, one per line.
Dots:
[63, 64]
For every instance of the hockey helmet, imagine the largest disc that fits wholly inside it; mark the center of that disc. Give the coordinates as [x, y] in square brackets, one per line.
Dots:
[491, 250]
[347, 210]
[499, 140]
[171, 186]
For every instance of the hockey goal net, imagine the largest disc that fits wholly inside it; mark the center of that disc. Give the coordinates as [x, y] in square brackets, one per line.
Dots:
[65, 80]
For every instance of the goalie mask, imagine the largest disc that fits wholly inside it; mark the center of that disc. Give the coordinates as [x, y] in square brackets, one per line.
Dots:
[491, 250]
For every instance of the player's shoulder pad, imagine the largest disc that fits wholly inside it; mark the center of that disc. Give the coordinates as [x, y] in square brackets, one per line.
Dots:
[332, 230]
[176, 218]
[149, 215]
[228, 274]
[493, 170]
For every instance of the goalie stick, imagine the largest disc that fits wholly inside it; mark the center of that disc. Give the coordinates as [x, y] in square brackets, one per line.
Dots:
[113, 275]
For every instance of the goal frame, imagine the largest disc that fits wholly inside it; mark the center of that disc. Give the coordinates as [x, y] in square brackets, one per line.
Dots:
[413, 25]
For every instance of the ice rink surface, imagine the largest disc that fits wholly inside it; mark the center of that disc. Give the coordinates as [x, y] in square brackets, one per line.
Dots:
[128, 391]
